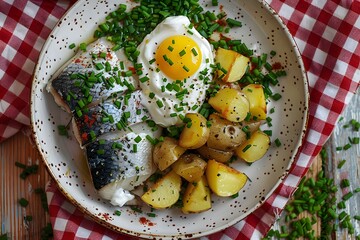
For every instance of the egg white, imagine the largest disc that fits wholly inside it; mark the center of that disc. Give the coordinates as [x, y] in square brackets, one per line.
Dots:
[171, 26]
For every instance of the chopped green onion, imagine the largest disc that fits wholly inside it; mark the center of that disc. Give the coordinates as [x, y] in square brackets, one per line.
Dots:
[182, 53]
[233, 23]
[144, 79]
[23, 202]
[246, 148]
[277, 142]
[83, 47]
[72, 46]
[159, 103]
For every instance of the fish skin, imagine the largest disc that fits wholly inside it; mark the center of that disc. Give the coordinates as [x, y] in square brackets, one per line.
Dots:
[64, 84]
[124, 167]
[92, 120]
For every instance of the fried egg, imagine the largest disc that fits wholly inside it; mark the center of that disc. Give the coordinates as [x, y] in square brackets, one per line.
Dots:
[176, 62]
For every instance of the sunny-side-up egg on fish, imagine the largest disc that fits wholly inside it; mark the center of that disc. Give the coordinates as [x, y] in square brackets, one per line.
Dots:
[176, 63]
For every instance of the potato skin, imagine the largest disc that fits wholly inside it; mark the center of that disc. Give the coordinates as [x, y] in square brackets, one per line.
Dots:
[212, 153]
[197, 134]
[224, 135]
[190, 166]
[197, 197]
[166, 153]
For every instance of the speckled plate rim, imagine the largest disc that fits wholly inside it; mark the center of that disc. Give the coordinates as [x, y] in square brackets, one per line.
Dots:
[203, 233]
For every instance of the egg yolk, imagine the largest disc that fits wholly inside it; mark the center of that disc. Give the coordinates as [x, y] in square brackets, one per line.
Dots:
[178, 57]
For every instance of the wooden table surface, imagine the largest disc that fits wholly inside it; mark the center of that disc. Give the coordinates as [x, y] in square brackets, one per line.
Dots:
[20, 149]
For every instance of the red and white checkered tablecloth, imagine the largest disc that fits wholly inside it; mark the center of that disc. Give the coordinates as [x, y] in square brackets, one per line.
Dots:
[326, 32]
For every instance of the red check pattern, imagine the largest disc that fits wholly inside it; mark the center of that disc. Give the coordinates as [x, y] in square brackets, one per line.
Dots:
[326, 32]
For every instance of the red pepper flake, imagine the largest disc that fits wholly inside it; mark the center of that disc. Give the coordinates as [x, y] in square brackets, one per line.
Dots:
[145, 221]
[78, 60]
[222, 22]
[84, 136]
[109, 55]
[223, 37]
[276, 66]
[132, 69]
[105, 216]
[89, 121]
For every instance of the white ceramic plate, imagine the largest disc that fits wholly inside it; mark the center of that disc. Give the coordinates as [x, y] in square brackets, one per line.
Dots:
[262, 31]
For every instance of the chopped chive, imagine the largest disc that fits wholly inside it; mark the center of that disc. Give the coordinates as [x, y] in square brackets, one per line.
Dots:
[103, 55]
[117, 213]
[138, 139]
[151, 214]
[277, 142]
[347, 146]
[276, 96]
[62, 130]
[233, 23]
[268, 132]
[170, 48]
[128, 73]
[347, 196]
[100, 151]
[182, 53]
[126, 115]
[83, 47]
[144, 79]
[72, 46]
[193, 50]
[23, 202]
[186, 68]
[20, 165]
[159, 103]
[99, 66]
[246, 148]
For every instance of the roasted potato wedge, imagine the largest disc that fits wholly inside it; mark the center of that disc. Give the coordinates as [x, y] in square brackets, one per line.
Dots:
[196, 134]
[232, 104]
[197, 197]
[224, 134]
[223, 180]
[212, 153]
[164, 193]
[190, 166]
[255, 95]
[167, 152]
[254, 148]
[233, 64]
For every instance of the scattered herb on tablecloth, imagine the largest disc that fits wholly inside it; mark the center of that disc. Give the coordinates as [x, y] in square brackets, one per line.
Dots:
[317, 197]
[27, 170]
[46, 232]
[4, 236]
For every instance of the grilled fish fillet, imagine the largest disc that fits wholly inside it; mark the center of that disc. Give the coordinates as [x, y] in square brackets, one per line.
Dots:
[97, 87]
[117, 166]
[90, 77]
[117, 114]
